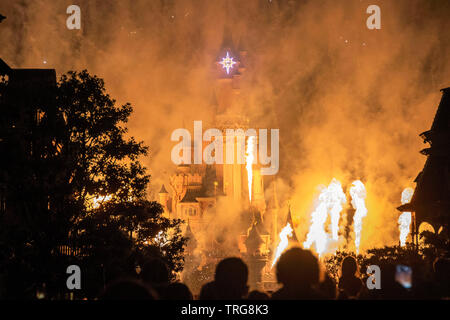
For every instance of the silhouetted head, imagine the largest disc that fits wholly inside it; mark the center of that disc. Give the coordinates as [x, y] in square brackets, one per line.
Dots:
[208, 292]
[155, 272]
[177, 291]
[349, 267]
[298, 268]
[231, 278]
[127, 289]
[257, 295]
[328, 287]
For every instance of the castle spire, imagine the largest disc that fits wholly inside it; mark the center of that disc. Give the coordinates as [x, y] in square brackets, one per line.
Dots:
[191, 242]
[163, 189]
[227, 40]
[254, 240]
[227, 58]
[289, 220]
[441, 120]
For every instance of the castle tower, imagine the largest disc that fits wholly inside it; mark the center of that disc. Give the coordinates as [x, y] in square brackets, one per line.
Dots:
[195, 188]
[232, 114]
[256, 256]
[229, 116]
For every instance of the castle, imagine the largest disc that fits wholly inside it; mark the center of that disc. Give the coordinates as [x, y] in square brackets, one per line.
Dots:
[195, 191]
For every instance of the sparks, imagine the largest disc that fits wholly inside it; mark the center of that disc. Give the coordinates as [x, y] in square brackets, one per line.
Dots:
[358, 193]
[404, 221]
[227, 63]
[284, 242]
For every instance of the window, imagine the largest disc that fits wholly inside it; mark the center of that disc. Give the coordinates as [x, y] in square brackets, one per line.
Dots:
[192, 211]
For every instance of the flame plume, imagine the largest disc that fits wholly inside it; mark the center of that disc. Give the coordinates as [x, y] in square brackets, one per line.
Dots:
[331, 200]
[404, 221]
[337, 201]
[284, 241]
[358, 194]
[249, 157]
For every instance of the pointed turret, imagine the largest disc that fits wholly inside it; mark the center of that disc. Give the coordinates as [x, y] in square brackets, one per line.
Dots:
[228, 58]
[163, 189]
[227, 41]
[164, 198]
[260, 225]
[289, 220]
[192, 242]
[441, 120]
[254, 240]
[227, 36]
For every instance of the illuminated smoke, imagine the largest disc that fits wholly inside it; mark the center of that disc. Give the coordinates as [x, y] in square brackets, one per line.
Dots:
[327, 95]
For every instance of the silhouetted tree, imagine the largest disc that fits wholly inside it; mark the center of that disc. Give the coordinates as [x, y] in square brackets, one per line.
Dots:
[435, 245]
[122, 229]
[84, 200]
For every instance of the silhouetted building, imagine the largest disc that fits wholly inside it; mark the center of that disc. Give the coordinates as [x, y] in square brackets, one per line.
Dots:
[27, 134]
[431, 199]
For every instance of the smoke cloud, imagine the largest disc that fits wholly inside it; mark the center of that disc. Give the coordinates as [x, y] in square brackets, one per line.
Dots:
[349, 101]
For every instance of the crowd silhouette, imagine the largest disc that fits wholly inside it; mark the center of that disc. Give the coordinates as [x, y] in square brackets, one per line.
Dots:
[299, 274]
